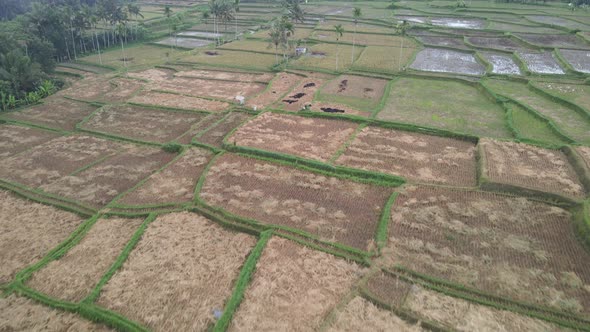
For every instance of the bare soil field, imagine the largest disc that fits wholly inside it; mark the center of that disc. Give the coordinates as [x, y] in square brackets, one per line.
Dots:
[541, 63]
[332, 209]
[55, 112]
[447, 61]
[121, 90]
[28, 231]
[100, 184]
[182, 270]
[225, 90]
[530, 167]
[174, 184]
[153, 74]
[417, 157]
[89, 89]
[22, 314]
[74, 275]
[305, 137]
[502, 63]
[142, 123]
[501, 43]
[234, 76]
[15, 139]
[178, 101]
[296, 284]
[214, 136]
[579, 60]
[302, 94]
[507, 246]
[279, 86]
[59, 157]
[554, 41]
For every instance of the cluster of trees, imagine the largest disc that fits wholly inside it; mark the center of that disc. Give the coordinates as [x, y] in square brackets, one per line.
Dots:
[223, 11]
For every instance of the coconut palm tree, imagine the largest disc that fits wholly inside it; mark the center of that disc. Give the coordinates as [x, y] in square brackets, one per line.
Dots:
[402, 29]
[356, 14]
[339, 33]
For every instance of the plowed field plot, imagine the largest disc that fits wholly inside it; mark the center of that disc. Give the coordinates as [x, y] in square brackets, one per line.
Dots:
[74, 275]
[235, 76]
[16, 139]
[553, 20]
[233, 59]
[333, 209]
[576, 93]
[463, 23]
[541, 63]
[173, 100]
[557, 41]
[417, 157]
[465, 110]
[302, 94]
[59, 157]
[305, 137]
[214, 136]
[502, 63]
[208, 122]
[54, 112]
[22, 314]
[443, 41]
[153, 74]
[174, 184]
[100, 88]
[357, 91]
[226, 90]
[383, 59]
[447, 61]
[100, 184]
[448, 311]
[569, 121]
[281, 84]
[184, 42]
[295, 283]
[502, 43]
[142, 123]
[28, 231]
[530, 167]
[579, 60]
[507, 246]
[194, 274]
[121, 90]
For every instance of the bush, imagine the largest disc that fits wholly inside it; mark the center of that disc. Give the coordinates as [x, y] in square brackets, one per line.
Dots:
[172, 147]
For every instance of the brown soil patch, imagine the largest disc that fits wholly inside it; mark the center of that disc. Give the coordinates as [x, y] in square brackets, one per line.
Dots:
[225, 90]
[73, 276]
[153, 74]
[174, 184]
[182, 270]
[293, 288]
[55, 112]
[100, 184]
[198, 128]
[417, 157]
[307, 86]
[121, 90]
[530, 167]
[22, 314]
[388, 289]
[178, 101]
[362, 315]
[331, 208]
[16, 139]
[225, 75]
[511, 247]
[584, 152]
[215, 135]
[91, 88]
[356, 86]
[59, 157]
[305, 137]
[142, 123]
[28, 231]
[279, 86]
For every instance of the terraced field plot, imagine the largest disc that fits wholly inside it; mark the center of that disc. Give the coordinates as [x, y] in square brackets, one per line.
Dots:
[447, 61]
[200, 87]
[281, 84]
[214, 136]
[357, 91]
[443, 41]
[541, 63]
[309, 138]
[172, 100]
[233, 59]
[414, 156]
[507, 246]
[501, 43]
[532, 127]
[324, 57]
[465, 110]
[502, 64]
[135, 57]
[285, 196]
[15, 139]
[530, 167]
[579, 60]
[557, 41]
[577, 93]
[383, 59]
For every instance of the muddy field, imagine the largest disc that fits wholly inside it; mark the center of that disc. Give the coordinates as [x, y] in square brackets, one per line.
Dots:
[502, 43]
[183, 42]
[541, 63]
[579, 60]
[174, 184]
[553, 20]
[416, 157]
[59, 157]
[295, 283]
[502, 63]
[463, 23]
[511, 247]
[15, 139]
[100, 184]
[173, 100]
[554, 41]
[332, 209]
[74, 275]
[447, 61]
[215, 135]
[443, 41]
[28, 231]
[530, 167]
[279, 86]
[55, 112]
[305, 137]
[182, 271]
[142, 123]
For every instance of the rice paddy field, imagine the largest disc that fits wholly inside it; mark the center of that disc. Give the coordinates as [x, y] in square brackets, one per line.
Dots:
[426, 176]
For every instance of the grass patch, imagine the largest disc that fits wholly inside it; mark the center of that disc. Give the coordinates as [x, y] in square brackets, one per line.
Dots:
[532, 127]
[384, 59]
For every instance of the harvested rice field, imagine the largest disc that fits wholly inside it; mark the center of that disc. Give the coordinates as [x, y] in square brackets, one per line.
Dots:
[425, 169]
[417, 157]
[286, 196]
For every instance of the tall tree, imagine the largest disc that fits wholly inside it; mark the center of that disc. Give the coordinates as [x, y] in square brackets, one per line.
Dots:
[402, 29]
[237, 10]
[339, 30]
[356, 14]
[293, 10]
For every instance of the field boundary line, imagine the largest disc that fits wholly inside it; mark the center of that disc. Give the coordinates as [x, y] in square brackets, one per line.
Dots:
[382, 233]
[346, 144]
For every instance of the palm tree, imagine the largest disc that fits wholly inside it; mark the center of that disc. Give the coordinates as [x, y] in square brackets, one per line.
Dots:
[356, 14]
[237, 9]
[339, 33]
[293, 10]
[215, 10]
[275, 38]
[401, 30]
